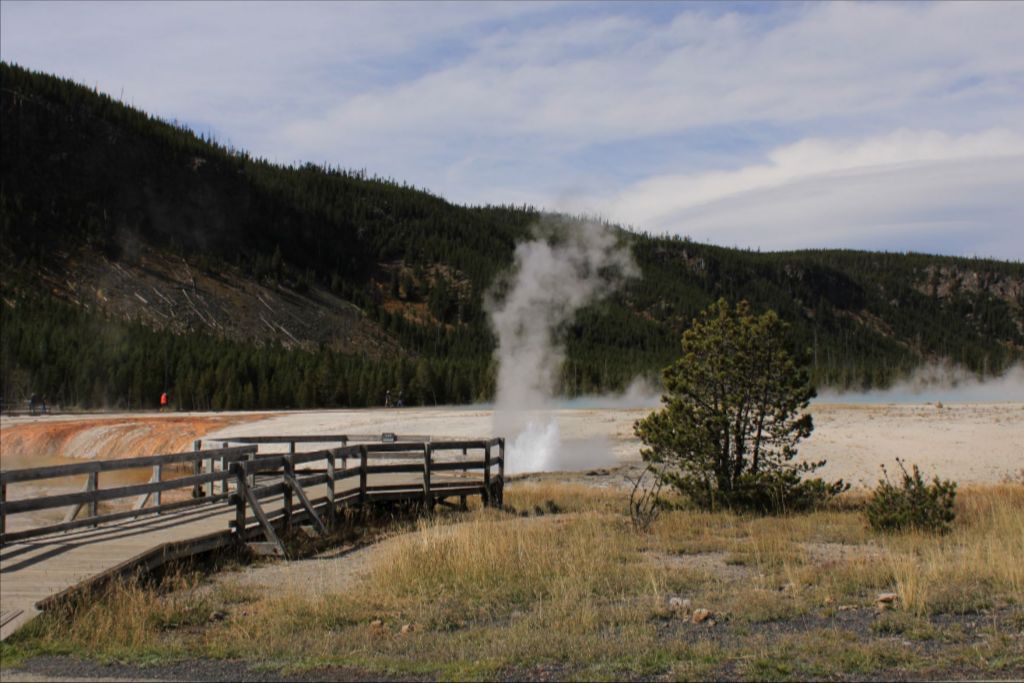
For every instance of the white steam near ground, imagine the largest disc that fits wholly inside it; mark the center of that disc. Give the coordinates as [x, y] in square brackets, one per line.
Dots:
[569, 265]
[942, 383]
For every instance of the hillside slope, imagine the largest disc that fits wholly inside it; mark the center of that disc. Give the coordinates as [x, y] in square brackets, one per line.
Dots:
[234, 282]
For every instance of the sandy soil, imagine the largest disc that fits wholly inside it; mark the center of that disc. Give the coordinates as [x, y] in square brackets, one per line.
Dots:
[971, 443]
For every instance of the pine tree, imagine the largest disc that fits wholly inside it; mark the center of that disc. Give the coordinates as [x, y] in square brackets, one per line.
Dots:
[734, 412]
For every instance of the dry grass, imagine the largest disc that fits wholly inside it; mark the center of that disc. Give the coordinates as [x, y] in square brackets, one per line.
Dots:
[980, 563]
[486, 591]
[529, 496]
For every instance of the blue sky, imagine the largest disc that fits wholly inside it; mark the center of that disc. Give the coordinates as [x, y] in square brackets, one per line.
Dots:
[762, 125]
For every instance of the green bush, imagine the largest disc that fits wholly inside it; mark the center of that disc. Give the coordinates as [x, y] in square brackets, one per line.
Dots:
[913, 505]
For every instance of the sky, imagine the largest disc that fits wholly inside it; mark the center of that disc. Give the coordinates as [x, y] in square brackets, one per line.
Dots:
[760, 125]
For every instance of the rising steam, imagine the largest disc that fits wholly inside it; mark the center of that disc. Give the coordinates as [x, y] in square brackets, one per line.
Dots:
[940, 382]
[569, 265]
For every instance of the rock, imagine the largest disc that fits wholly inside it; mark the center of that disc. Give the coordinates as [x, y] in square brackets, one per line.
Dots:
[710, 622]
[882, 606]
[701, 615]
[846, 608]
[376, 625]
[218, 616]
[679, 605]
[407, 628]
[887, 598]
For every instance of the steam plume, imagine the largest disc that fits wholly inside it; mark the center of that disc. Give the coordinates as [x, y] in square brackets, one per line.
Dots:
[569, 265]
[945, 383]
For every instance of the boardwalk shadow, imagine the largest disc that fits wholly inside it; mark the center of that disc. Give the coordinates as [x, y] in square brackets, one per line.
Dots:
[103, 534]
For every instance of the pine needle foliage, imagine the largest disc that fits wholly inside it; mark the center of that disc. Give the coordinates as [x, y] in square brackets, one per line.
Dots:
[735, 409]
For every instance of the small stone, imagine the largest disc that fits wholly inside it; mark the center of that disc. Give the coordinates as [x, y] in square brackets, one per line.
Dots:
[846, 608]
[701, 615]
[887, 598]
[710, 623]
[377, 625]
[407, 629]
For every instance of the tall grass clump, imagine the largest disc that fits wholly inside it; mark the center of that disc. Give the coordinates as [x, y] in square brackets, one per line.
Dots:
[498, 565]
[126, 620]
[978, 564]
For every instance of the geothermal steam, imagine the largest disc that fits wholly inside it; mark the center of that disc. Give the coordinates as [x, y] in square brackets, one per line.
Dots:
[569, 265]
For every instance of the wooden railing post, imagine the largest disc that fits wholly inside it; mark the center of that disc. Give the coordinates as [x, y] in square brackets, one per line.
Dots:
[362, 475]
[240, 494]
[93, 485]
[3, 512]
[223, 482]
[289, 470]
[197, 468]
[501, 472]
[486, 498]
[330, 485]
[158, 473]
[428, 499]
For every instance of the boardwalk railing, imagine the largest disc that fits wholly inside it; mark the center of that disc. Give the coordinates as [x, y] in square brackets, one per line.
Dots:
[92, 495]
[346, 485]
[251, 481]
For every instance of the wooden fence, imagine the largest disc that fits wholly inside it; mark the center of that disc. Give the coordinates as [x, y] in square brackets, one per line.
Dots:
[248, 479]
[346, 481]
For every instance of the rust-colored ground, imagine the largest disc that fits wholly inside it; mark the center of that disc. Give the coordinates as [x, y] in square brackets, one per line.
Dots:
[44, 441]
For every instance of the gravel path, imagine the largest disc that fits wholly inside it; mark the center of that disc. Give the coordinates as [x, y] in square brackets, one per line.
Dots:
[62, 669]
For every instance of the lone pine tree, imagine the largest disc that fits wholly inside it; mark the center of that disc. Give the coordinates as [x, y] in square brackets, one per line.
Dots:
[735, 409]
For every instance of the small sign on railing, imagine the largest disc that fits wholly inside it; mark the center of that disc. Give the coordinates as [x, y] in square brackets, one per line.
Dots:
[388, 437]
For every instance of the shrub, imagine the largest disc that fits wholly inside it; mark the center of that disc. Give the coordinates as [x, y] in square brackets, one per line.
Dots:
[912, 505]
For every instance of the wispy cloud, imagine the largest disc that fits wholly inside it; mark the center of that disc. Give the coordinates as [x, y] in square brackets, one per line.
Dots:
[866, 124]
[908, 189]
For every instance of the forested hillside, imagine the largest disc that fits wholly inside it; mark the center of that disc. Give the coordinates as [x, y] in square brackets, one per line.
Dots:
[139, 257]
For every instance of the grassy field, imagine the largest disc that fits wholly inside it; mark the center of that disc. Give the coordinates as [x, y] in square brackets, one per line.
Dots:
[571, 591]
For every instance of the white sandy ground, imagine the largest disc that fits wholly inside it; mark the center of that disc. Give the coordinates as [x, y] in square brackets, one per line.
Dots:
[970, 443]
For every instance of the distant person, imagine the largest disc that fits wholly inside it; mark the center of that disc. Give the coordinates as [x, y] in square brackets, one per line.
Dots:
[401, 403]
[387, 399]
[163, 402]
[33, 403]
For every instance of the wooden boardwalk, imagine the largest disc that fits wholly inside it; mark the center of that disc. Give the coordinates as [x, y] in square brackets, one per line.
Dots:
[39, 566]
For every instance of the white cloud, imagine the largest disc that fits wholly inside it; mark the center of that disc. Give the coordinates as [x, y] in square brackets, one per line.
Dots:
[843, 119]
[925, 186]
[599, 80]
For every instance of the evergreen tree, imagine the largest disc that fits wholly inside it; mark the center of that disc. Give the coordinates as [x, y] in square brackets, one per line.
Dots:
[735, 409]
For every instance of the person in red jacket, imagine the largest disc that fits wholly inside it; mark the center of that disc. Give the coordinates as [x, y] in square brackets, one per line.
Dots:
[163, 401]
